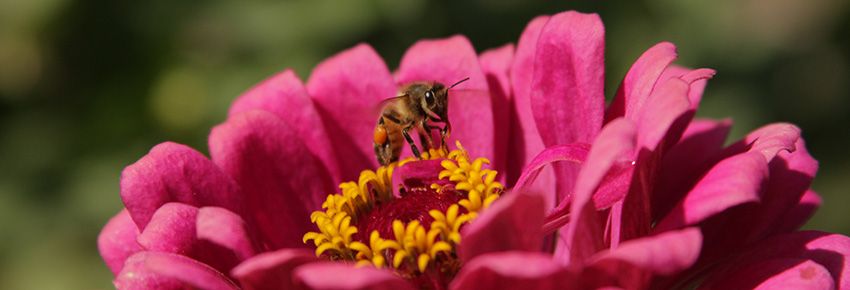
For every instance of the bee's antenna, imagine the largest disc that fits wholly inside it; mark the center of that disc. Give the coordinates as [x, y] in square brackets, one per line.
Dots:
[460, 81]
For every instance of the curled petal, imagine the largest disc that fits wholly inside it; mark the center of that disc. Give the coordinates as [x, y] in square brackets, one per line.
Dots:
[158, 270]
[640, 80]
[117, 241]
[496, 64]
[513, 270]
[272, 270]
[321, 276]
[663, 254]
[173, 172]
[225, 229]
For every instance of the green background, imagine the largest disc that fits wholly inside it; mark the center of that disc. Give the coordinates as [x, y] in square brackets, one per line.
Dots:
[87, 87]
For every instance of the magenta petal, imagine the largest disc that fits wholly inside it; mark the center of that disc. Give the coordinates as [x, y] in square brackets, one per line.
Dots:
[733, 181]
[328, 276]
[668, 103]
[567, 88]
[640, 80]
[832, 251]
[173, 172]
[347, 89]
[157, 270]
[686, 161]
[281, 180]
[496, 64]
[664, 254]
[285, 96]
[513, 270]
[526, 142]
[225, 229]
[117, 241]
[516, 219]
[798, 214]
[788, 273]
[172, 230]
[448, 61]
[771, 139]
[584, 232]
[272, 270]
[574, 153]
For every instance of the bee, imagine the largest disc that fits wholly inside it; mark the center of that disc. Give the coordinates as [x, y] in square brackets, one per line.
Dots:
[419, 105]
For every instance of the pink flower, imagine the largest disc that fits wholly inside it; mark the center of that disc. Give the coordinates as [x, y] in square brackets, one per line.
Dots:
[642, 196]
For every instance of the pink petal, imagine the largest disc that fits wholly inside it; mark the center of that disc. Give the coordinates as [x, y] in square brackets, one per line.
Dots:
[513, 223]
[687, 161]
[769, 140]
[225, 229]
[584, 233]
[655, 124]
[513, 270]
[797, 215]
[470, 104]
[733, 181]
[496, 65]
[282, 181]
[321, 276]
[172, 230]
[157, 270]
[173, 172]
[526, 143]
[832, 251]
[573, 153]
[663, 254]
[285, 96]
[788, 273]
[272, 270]
[567, 88]
[117, 241]
[347, 89]
[639, 81]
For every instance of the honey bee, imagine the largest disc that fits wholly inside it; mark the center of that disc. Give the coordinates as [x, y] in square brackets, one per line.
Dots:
[419, 105]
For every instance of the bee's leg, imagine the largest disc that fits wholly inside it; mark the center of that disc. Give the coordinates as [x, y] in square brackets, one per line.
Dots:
[425, 141]
[444, 134]
[410, 141]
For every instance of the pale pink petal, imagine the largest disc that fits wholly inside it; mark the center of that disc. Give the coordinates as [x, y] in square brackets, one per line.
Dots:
[496, 65]
[117, 241]
[784, 273]
[687, 161]
[733, 181]
[347, 89]
[448, 61]
[158, 270]
[584, 233]
[513, 270]
[285, 96]
[567, 88]
[281, 180]
[173, 172]
[516, 219]
[328, 276]
[697, 79]
[272, 270]
[639, 81]
[526, 142]
[797, 215]
[663, 254]
[225, 229]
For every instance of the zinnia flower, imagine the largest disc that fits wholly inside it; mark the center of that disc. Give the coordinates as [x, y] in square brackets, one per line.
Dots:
[637, 196]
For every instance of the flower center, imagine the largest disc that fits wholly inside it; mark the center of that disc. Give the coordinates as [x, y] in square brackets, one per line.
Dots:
[416, 230]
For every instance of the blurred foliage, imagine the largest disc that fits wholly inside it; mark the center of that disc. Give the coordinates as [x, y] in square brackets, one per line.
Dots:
[87, 87]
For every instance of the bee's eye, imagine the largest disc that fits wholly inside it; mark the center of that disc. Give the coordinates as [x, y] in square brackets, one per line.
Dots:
[429, 97]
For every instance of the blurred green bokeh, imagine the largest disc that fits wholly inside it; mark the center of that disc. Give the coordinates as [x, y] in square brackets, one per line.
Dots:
[87, 87]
